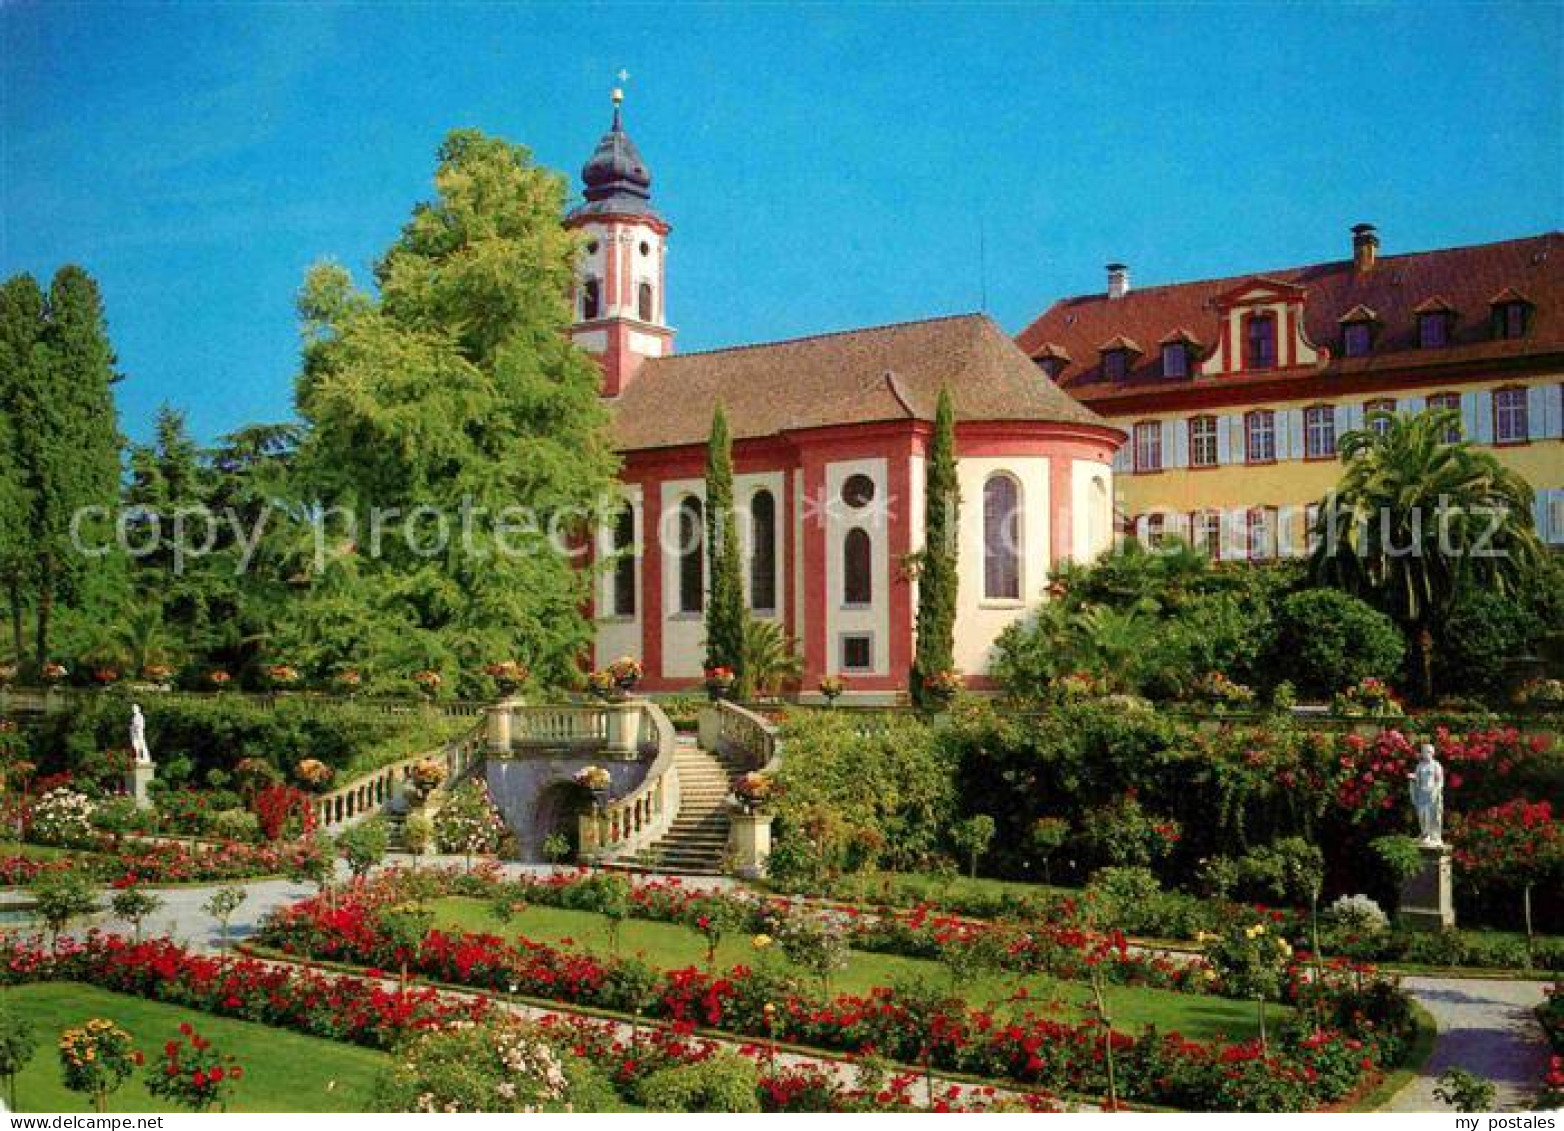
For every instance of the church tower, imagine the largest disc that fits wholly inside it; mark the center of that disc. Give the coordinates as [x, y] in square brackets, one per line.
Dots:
[621, 307]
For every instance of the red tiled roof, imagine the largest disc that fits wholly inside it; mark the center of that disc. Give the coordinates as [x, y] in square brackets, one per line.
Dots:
[852, 377]
[1467, 278]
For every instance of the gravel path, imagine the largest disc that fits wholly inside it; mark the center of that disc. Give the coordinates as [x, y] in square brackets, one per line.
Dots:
[1486, 1026]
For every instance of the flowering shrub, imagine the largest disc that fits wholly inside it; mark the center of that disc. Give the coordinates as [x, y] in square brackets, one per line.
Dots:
[284, 811]
[192, 1073]
[469, 825]
[504, 1065]
[62, 817]
[1360, 1014]
[1368, 696]
[1249, 961]
[1541, 693]
[96, 1059]
[1222, 692]
[313, 773]
[1358, 914]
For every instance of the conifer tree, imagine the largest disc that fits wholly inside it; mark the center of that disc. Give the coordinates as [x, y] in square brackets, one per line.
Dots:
[937, 578]
[725, 602]
[21, 327]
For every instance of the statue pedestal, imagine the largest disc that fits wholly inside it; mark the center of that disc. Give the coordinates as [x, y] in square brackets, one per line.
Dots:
[499, 720]
[749, 843]
[1426, 901]
[137, 779]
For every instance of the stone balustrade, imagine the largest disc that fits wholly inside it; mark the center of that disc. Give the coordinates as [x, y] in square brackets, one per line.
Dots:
[623, 827]
[367, 795]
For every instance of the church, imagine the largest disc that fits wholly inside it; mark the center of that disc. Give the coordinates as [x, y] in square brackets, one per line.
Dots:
[829, 439]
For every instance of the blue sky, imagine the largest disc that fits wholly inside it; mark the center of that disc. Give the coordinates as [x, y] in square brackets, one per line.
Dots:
[823, 167]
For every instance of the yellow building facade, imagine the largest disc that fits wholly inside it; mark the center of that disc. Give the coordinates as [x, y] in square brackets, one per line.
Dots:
[1235, 392]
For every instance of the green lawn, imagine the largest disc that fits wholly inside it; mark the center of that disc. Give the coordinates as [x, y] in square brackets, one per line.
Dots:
[34, 851]
[283, 1071]
[670, 946]
[878, 887]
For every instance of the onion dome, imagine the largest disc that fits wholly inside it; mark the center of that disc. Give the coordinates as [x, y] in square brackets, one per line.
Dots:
[615, 180]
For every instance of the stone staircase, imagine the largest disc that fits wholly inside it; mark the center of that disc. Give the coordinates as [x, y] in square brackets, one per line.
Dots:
[698, 838]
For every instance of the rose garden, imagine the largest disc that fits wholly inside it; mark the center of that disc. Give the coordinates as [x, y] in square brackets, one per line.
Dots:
[299, 825]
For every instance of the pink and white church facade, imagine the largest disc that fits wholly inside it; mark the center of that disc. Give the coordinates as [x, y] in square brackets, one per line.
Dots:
[830, 435]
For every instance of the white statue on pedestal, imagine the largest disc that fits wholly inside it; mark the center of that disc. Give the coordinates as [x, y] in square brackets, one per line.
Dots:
[138, 736]
[1428, 796]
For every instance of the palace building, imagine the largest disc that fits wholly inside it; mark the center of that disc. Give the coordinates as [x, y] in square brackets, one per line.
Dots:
[830, 434]
[1235, 391]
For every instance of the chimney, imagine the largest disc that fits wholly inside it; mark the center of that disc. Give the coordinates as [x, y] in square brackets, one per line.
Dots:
[1118, 280]
[1365, 247]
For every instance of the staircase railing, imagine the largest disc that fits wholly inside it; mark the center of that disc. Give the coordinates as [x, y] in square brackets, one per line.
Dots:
[369, 794]
[623, 827]
[740, 735]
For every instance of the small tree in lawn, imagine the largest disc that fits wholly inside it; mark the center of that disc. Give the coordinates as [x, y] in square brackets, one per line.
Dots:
[714, 919]
[192, 1074]
[134, 904]
[1046, 836]
[404, 927]
[815, 943]
[936, 563]
[62, 897]
[613, 903]
[315, 863]
[1519, 843]
[972, 838]
[18, 1044]
[96, 1059]
[556, 848]
[468, 825]
[222, 905]
[364, 845]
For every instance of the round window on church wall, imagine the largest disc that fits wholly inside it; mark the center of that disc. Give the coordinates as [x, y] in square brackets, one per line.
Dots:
[858, 491]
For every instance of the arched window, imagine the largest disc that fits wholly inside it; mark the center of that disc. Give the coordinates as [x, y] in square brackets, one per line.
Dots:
[763, 552]
[644, 301]
[1001, 539]
[692, 556]
[624, 563]
[857, 568]
[591, 300]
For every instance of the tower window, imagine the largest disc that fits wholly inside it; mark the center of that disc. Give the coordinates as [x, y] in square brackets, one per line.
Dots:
[644, 301]
[591, 300]
[624, 563]
[858, 491]
[857, 568]
[1001, 539]
[1202, 441]
[1260, 341]
[692, 556]
[763, 552]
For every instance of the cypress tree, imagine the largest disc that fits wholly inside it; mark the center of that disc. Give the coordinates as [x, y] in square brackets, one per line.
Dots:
[78, 441]
[937, 579]
[725, 600]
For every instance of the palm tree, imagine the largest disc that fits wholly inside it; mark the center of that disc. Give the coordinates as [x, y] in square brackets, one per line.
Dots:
[769, 658]
[1416, 518]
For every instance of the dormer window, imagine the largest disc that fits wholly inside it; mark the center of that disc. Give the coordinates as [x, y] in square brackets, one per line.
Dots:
[1116, 365]
[1357, 332]
[1260, 341]
[1435, 321]
[1511, 313]
[1118, 355]
[1179, 351]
